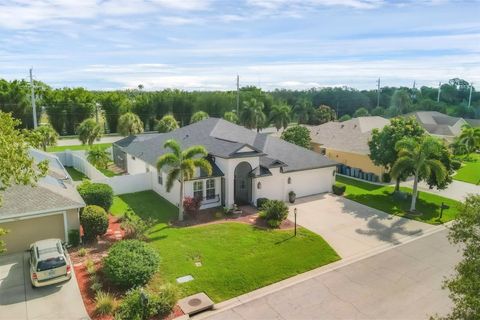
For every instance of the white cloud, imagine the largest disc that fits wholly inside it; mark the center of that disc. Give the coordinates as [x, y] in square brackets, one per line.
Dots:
[277, 4]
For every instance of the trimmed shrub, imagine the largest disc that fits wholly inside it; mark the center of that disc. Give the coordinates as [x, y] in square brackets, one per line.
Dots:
[99, 194]
[260, 202]
[104, 303]
[274, 211]
[339, 189]
[456, 164]
[94, 221]
[82, 252]
[386, 177]
[130, 263]
[191, 205]
[74, 237]
[164, 299]
[160, 302]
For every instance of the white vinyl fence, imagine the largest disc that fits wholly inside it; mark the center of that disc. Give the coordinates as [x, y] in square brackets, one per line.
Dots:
[120, 184]
[78, 160]
[128, 183]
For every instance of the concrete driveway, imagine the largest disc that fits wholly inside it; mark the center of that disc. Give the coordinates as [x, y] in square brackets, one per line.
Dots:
[353, 229]
[18, 300]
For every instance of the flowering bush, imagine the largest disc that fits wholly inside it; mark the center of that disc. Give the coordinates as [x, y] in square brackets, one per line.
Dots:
[191, 205]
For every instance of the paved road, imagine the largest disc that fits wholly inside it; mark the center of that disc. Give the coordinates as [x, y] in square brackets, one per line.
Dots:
[401, 283]
[18, 300]
[351, 228]
[457, 190]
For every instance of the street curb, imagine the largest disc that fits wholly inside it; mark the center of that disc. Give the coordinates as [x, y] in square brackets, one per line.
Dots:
[259, 293]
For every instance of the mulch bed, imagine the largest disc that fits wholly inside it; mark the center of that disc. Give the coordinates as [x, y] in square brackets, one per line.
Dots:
[249, 215]
[97, 251]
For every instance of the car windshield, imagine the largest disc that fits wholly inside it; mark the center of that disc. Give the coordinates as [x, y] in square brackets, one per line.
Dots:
[51, 263]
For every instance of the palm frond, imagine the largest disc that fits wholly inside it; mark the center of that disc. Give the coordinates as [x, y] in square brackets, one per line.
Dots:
[188, 168]
[174, 146]
[204, 165]
[172, 176]
[194, 151]
[402, 165]
[168, 159]
[437, 167]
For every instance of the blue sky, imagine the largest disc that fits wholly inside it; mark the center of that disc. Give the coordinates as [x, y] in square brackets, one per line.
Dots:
[203, 44]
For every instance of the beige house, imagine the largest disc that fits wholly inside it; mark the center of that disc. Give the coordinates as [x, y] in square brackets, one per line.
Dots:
[48, 210]
[347, 143]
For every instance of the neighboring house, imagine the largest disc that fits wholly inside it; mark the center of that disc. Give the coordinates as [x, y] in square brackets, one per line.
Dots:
[246, 165]
[47, 210]
[347, 143]
[441, 125]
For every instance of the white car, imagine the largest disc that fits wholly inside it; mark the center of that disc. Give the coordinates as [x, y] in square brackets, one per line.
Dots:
[49, 263]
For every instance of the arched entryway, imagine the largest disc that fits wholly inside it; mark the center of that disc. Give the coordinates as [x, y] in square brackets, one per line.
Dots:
[242, 183]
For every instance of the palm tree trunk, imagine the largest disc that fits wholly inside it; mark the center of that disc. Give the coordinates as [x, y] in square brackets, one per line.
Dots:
[414, 193]
[180, 207]
[397, 185]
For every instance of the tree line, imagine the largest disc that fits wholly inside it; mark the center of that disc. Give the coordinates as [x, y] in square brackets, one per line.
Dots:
[67, 108]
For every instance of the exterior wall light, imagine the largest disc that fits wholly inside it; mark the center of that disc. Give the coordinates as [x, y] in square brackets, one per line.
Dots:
[259, 185]
[289, 180]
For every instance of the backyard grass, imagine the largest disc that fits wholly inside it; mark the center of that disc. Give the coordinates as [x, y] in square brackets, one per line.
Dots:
[236, 258]
[77, 147]
[75, 174]
[379, 197]
[470, 170]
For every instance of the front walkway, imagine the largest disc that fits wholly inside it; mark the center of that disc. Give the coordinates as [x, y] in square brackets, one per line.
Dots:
[351, 228]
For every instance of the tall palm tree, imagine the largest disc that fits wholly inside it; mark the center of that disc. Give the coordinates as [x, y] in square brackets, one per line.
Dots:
[470, 138]
[280, 116]
[129, 124]
[167, 123]
[88, 131]
[252, 116]
[303, 111]
[181, 166]
[417, 157]
[199, 116]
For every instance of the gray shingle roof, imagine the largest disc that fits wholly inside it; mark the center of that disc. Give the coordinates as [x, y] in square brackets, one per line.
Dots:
[438, 123]
[49, 194]
[223, 139]
[350, 136]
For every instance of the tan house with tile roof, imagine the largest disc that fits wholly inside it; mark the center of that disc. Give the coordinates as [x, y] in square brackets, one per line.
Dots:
[347, 143]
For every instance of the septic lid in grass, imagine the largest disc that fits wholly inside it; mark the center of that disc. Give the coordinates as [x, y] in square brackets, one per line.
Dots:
[184, 279]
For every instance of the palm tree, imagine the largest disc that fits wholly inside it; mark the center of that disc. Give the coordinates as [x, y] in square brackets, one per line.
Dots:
[303, 111]
[231, 117]
[181, 166]
[88, 131]
[280, 116]
[47, 136]
[167, 124]
[98, 157]
[198, 116]
[417, 157]
[252, 116]
[470, 138]
[129, 124]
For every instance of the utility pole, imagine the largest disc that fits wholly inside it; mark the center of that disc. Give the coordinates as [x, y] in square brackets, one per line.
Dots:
[378, 92]
[238, 94]
[470, 95]
[439, 90]
[34, 108]
[96, 112]
[414, 94]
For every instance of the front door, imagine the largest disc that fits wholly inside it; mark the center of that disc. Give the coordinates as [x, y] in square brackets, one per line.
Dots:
[242, 183]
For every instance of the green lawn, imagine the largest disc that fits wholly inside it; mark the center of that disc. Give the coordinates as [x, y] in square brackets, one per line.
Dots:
[236, 258]
[75, 174]
[470, 170]
[79, 147]
[379, 197]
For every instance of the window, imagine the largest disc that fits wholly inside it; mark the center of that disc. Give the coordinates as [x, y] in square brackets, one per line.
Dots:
[160, 178]
[210, 189]
[198, 189]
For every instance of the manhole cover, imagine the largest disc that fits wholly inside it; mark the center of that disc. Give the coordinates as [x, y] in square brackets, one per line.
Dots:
[194, 302]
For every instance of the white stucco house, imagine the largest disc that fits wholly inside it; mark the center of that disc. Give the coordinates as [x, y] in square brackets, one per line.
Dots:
[246, 165]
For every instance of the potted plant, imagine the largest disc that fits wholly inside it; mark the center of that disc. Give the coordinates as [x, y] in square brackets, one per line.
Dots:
[291, 197]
